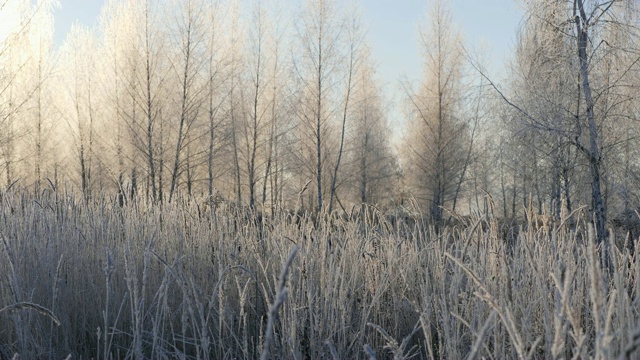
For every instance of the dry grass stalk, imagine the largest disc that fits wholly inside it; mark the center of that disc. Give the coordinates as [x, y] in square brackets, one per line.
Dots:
[204, 286]
[280, 298]
[481, 335]
[23, 305]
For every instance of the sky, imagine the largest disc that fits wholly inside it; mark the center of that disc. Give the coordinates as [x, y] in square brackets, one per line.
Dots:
[393, 29]
[487, 25]
[393, 32]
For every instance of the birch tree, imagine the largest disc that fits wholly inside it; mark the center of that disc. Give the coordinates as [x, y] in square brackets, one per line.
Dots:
[580, 32]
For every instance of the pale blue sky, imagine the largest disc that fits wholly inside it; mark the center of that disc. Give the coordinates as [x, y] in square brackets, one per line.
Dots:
[393, 29]
[393, 33]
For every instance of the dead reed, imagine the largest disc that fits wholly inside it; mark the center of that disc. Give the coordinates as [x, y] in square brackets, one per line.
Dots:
[142, 282]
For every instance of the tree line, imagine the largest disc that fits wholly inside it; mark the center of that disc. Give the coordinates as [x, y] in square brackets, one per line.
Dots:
[274, 108]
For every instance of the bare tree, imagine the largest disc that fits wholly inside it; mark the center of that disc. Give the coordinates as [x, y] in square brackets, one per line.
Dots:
[78, 52]
[12, 73]
[215, 72]
[437, 133]
[578, 34]
[40, 68]
[188, 65]
[258, 108]
[236, 112]
[21, 23]
[147, 80]
[112, 86]
[373, 162]
[582, 28]
[355, 38]
[319, 35]
[276, 93]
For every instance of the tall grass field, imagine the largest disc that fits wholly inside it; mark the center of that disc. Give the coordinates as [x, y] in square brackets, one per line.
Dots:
[185, 281]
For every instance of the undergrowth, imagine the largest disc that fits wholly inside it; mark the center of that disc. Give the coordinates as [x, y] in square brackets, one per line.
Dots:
[175, 281]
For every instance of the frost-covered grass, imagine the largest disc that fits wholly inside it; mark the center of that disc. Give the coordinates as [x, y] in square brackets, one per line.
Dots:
[100, 281]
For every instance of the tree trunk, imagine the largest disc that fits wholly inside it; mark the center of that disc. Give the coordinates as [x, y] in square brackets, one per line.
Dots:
[254, 139]
[183, 107]
[236, 158]
[343, 130]
[318, 132]
[212, 134]
[363, 170]
[150, 159]
[598, 210]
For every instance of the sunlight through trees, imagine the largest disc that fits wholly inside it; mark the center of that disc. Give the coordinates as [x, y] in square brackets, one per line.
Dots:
[270, 107]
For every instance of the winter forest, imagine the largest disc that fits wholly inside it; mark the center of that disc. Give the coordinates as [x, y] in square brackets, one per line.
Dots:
[221, 179]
